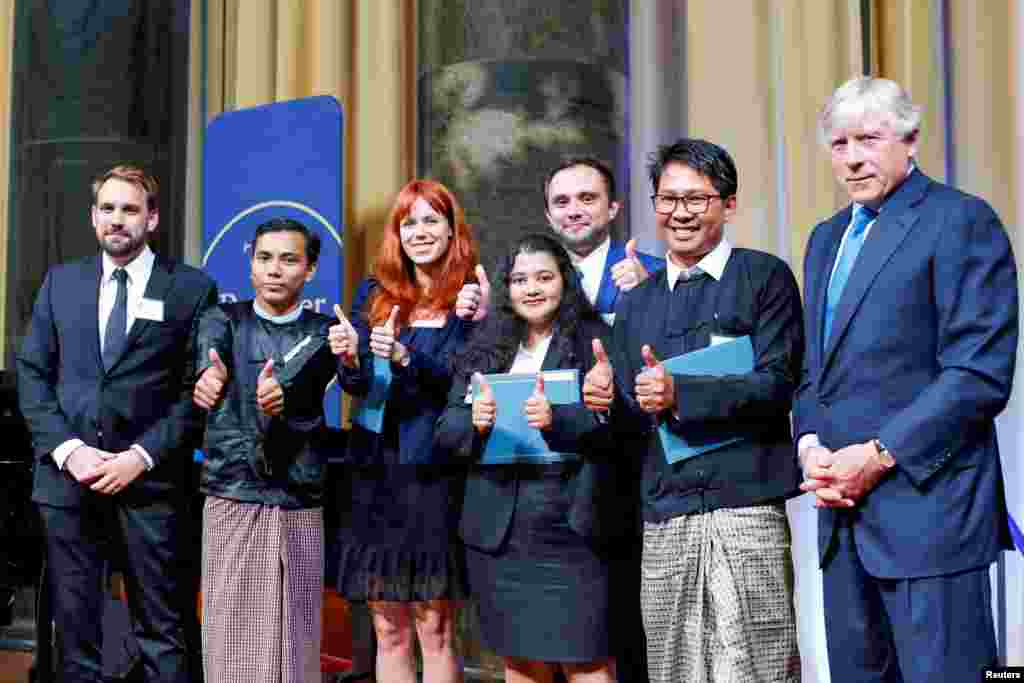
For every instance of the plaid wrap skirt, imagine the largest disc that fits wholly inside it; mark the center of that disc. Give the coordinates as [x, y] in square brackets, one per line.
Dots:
[263, 575]
[717, 598]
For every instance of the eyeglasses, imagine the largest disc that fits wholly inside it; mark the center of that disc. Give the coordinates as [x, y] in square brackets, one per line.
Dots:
[664, 203]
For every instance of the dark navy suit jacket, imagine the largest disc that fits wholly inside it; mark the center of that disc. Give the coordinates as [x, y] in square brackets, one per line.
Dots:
[417, 394]
[921, 357]
[145, 397]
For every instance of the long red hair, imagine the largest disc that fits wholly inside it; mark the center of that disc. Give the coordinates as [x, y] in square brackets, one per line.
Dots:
[394, 270]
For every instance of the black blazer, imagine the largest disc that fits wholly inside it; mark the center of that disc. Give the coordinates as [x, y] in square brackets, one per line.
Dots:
[603, 501]
[145, 397]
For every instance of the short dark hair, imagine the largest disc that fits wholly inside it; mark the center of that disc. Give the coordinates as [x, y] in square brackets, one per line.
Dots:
[599, 165]
[290, 225]
[704, 157]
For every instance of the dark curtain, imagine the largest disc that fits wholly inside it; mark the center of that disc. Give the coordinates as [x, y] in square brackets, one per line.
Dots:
[95, 83]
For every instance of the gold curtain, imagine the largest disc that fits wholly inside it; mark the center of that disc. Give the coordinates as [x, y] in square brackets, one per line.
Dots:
[360, 51]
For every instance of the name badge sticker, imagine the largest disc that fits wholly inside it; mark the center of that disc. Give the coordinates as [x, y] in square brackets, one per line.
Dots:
[150, 309]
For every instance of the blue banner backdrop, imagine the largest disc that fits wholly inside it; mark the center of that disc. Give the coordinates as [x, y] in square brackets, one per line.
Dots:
[277, 160]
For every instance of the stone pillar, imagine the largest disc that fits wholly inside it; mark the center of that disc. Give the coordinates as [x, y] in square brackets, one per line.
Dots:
[506, 90]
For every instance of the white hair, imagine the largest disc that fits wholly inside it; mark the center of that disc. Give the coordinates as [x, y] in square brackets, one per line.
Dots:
[866, 95]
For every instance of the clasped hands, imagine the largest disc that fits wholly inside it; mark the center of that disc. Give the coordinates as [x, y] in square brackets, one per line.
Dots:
[655, 388]
[102, 471]
[840, 479]
[209, 389]
[537, 408]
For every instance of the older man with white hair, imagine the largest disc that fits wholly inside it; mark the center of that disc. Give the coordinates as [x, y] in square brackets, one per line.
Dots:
[911, 324]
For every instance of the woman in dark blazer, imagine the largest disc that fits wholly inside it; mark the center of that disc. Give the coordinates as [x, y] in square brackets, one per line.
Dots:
[537, 535]
[397, 544]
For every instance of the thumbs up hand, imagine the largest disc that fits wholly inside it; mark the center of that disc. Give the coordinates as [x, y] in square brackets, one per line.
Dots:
[655, 388]
[630, 271]
[537, 408]
[485, 408]
[384, 340]
[209, 389]
[269, 394]
[599, 382]
[473, 299]
[344, 340]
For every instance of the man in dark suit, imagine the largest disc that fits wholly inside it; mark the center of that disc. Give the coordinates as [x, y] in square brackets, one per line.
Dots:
[105, 381]
[717, 582]
[911, 321]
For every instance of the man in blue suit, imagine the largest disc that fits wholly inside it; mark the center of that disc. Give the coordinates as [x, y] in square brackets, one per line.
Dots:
[105, 380]
[580, 205]
[911, 323]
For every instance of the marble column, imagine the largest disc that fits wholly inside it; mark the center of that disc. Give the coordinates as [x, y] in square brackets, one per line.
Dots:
[506, 90]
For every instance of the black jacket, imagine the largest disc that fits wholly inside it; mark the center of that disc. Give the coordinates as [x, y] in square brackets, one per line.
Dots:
[251, 457]
[603, 506]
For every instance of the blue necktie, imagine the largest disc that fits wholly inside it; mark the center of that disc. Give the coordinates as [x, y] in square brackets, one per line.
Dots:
[847, 257]
[117, 324]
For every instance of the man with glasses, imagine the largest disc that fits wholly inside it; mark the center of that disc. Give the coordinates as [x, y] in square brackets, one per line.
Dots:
[717, 581]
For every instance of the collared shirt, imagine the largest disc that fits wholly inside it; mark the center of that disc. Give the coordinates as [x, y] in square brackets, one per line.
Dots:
[713, 263]
[139, 270]
[591, 269]
[531, 360]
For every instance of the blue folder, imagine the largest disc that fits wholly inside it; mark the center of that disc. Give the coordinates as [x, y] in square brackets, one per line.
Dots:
[370, 413]
[512, 439]
[732, 357]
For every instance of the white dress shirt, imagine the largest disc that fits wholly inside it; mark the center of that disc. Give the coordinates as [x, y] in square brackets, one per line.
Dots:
[591, 267]
[530, 360]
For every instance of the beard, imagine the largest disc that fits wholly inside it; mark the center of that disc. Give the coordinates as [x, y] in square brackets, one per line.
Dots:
[125, 244]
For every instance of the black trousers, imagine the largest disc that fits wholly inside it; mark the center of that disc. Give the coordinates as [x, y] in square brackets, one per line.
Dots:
[629, 645]
[146, 542]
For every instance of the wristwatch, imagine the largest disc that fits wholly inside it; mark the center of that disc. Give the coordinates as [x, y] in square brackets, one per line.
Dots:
[884, 456]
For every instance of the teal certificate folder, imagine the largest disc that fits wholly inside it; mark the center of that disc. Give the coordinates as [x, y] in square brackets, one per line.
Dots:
[370, 413]
[732, 357]
[512, 439]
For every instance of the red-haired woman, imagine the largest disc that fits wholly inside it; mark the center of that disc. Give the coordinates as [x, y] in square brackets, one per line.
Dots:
[397, 543]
